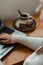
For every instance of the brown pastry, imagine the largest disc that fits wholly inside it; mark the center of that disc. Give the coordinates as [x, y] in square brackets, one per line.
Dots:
[30, 23]
[22, 26]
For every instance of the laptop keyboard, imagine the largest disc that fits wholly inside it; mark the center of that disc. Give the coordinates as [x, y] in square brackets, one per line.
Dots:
[6, 30]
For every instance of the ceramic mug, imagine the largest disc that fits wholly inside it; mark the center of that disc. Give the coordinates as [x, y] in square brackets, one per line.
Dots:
[25, 16]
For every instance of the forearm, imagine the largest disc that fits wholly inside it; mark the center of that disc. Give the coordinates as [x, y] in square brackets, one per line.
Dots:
[30, 42]
[18, 38]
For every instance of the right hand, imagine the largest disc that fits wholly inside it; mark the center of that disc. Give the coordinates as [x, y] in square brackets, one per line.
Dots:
[5, 38]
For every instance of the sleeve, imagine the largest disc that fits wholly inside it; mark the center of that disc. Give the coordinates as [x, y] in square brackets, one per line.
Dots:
[31, 42]
[34, 58]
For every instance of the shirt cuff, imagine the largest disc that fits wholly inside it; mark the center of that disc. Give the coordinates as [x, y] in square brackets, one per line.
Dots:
[18, 38]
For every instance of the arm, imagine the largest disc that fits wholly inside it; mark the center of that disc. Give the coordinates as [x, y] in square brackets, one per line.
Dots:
[31, 42]
[35, 57]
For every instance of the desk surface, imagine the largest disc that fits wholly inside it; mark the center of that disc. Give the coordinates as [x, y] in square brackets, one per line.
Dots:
[20, 52]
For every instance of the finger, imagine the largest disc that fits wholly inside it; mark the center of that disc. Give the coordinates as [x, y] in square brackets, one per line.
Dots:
[3, 33]
[4, 41]
[39, 51]
[2, 36]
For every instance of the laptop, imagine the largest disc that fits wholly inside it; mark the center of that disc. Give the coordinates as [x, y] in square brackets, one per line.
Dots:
[4, 49]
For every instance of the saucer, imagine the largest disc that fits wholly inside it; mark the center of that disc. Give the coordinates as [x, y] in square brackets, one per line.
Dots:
[17, 21]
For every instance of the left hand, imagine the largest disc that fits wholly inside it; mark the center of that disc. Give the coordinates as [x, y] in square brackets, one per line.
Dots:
[5, 38]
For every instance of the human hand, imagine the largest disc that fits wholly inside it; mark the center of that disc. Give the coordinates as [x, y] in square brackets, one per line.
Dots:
[40, 50]
[5, 38]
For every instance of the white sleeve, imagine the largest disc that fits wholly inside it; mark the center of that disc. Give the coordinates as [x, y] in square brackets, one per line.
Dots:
[34, 58]
[31, 42]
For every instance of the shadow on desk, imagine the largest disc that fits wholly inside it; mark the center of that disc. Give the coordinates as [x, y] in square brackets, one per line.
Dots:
[20, 63]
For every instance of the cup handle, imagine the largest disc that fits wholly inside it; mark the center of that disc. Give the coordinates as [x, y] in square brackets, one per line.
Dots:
[30, 17]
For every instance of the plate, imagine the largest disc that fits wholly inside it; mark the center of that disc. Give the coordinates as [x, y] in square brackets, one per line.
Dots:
[24, 29]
